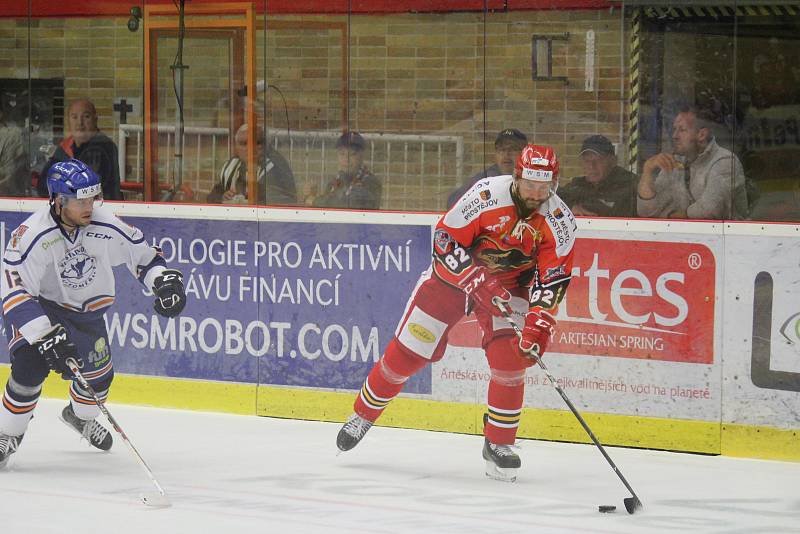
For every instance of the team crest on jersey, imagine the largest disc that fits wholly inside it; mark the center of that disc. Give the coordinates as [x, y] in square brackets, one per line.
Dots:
[497, 257]
[17, 235]
[77, 269]
[485, 194]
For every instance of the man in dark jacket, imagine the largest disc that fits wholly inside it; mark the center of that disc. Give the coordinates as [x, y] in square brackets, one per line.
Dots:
[354, 186]
[606, 190]
[507, 148]
[89, 145]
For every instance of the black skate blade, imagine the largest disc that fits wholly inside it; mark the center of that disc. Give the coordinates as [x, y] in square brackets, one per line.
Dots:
[632, 504]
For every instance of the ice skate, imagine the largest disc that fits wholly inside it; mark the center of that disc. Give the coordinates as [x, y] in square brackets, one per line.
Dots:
[501, 462]
[96, 434]
[8, 446]
[351, 433]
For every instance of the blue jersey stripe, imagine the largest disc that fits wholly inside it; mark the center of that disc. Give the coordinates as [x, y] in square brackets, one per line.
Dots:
[122, 233]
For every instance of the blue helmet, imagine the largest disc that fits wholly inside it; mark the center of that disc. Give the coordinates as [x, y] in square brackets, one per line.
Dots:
[72, 178]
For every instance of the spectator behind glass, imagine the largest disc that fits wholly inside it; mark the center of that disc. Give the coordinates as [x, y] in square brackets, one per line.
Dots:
[701, 180]
[507, 148]
[12, 160]
[354, 186]
[606, 189]
[89, 145]
[276, 185]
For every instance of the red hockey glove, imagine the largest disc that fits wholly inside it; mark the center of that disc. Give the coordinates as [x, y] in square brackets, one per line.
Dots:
[539, 327]
[483, 289]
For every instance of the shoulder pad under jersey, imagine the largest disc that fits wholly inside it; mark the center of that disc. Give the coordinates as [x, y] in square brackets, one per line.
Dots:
[104, 217]
[486, 194]
[32, 230]
[561, 222]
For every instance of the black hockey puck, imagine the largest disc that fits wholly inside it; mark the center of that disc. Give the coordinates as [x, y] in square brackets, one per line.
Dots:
[606, 508]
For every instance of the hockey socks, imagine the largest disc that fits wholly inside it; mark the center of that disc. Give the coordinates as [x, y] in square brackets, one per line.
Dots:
[386, 381]
[506, 390]
[19, 401]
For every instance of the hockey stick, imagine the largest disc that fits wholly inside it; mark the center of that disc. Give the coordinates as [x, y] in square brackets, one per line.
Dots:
[632, 504]
[159, 500]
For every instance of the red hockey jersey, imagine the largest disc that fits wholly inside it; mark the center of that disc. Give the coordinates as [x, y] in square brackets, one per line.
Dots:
[485, 228]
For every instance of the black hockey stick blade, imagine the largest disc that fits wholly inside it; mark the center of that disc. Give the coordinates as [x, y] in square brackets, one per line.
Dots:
[632, 504]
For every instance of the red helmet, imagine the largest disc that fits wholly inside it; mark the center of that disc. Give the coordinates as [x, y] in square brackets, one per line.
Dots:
[538, 163]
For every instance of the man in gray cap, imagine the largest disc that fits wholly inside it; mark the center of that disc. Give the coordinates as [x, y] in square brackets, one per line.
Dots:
[507, 148]
[606, 189]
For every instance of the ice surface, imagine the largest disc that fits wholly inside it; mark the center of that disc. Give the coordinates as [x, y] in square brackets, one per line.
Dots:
[228, 474]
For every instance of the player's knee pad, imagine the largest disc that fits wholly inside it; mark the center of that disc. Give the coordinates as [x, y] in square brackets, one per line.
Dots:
[23, 390]
[398, 363]
[390, 375]
[503, 353]
[104, 384]
[28, 367]
[100, 387]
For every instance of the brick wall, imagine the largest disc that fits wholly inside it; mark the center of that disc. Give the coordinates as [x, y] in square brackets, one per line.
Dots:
[409, 73]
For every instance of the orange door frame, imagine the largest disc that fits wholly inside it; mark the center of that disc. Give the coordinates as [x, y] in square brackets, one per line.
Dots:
[163, 17]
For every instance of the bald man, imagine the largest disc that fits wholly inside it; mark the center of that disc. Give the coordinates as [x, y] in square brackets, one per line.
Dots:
[89, 145]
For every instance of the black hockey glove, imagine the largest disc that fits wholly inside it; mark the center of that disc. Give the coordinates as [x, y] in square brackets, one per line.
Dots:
[55, 347]
[170, 296]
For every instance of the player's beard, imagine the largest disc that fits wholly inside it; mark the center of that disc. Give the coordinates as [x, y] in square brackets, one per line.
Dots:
[526, 206]
[533, 204]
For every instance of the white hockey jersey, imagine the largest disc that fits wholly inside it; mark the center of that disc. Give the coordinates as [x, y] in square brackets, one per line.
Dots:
[75, 272]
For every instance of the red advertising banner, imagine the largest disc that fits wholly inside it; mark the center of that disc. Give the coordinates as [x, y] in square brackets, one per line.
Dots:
[648, 300]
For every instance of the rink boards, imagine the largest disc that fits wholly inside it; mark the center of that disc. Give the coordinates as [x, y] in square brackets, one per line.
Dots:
[674, 335]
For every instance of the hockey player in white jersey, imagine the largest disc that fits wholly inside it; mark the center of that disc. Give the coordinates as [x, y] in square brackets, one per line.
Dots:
[57, 281]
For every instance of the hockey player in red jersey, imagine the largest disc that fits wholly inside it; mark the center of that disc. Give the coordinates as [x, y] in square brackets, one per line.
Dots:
[508, 240]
